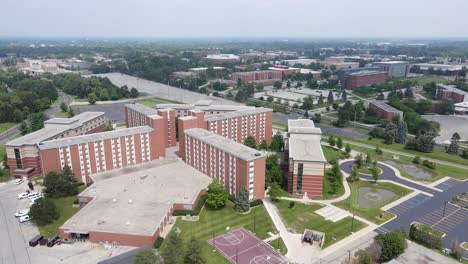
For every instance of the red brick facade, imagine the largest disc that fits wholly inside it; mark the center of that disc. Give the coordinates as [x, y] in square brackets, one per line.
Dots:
[358, 80]
[247, 77]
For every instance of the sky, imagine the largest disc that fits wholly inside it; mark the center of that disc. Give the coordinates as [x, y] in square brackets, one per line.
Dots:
[235, 18]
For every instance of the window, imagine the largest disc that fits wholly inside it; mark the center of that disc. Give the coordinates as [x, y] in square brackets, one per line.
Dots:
[300, 169]
[19, 164]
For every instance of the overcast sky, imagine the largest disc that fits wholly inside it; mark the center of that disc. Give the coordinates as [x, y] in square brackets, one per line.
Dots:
[234, 18]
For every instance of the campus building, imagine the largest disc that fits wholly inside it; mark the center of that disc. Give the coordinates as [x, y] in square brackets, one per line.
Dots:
[305, 158]
[363, 78]
[233, 164]
[132, 206]
[23, 154]
[237, 126]
[263, 77]
[206, 106]
[343, 73]
[95, 153]
[339, 63]
[451, 92]
[431, 68]
[140, 115]
[384, 111]
[393, 68]
[218, 59]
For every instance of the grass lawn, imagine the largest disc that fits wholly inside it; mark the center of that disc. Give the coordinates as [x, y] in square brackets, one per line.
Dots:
[428, 79]
[214, 222]
[366, 170]
[279, 244]
[121, 125]
[279, 126]
[303, 216]
[332, 154]
[65, 209]
[332, 114]
[326, 188]
[2, 151]
[5, 126]
[76, 99]
[371, 214]
[440, 171]
[437, 154]
[61, 114]
[151, 102]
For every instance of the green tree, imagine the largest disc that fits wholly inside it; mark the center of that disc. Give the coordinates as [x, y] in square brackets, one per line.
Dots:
[344, 95]
[274, 192]
[56, 186]
[317, 118]
[402, 133]
[259, 87]
[103, 94]
[425, 142]
[288, 84]
[390, 132]
[250, 142]
[134, 92]
[331, 141]
[339, 143]
[409, 92]
[348, 149]
[454, 144]
[354, 174]
[368, 159]
[173, 252]
[330, 97]
[92, 98]
[263, 145]
[270, 99]
[393, 244]
[375, 171]
[277, 142]
[146, 256]
[217, 196]
[109, 126]
[358, 161]
[68, 175]
[63, 107]
[277, 85]
[320, 100]
[242, 200]
[193, 254]
[363, 257]
[70, 112]
[43, 212]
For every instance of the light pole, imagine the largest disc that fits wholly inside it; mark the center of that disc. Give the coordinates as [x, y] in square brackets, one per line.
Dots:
[352, 224]
[445, 204]
[349, 256]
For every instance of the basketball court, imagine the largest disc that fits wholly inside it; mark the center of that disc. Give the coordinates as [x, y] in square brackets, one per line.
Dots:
[242, 247]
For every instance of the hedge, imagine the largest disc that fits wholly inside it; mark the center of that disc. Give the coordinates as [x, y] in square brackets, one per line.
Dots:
[422, 235]
[158, 242]
[256, 202]
[197, 210]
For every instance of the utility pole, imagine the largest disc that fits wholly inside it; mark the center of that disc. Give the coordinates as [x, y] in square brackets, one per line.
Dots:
[237, 254]
[349, 256]
[445, 204]
[214, 242]
[352, 224]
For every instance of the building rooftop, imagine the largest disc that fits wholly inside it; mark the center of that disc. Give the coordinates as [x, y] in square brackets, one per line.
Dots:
[57, 143]
[204, 105]
[222, 56]
[54, 127]
[391, 62]
[364, 73]
[304, 141]
[234, 114]
[385, 106]
[143, 109]
[452, 88]
[227, 145]
[135, 200]
[449, 67]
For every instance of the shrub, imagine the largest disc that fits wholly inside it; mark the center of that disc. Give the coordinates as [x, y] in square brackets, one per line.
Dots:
[417, 160]
[378, 151]
[429, 164]
[158, 242]
[424, 236]
[197, 210]
[256, 203]
[43, 212]
[393, 244]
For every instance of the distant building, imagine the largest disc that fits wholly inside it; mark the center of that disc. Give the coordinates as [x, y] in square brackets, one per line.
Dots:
[427, 68]
[363, 78]
[202, 70]
[339, 63]
[229, 83]
[219, 59]
[304, 62]
[462, 108]
[184, 74]
[306, 161]
[393, 68]
[384, 111]
[265, 77]
[284, 69]
[451, 92]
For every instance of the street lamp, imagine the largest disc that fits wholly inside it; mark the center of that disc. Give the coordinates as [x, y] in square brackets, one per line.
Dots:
[445, 204]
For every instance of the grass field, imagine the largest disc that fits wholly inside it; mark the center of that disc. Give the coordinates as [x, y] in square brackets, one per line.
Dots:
[65, 209]
[151, 102]
[303, 216]
[366, 170]
[5, 126]
[371, 214]
[279, 244]
[440, 171]
[326, 187]
[428, 79]
[332, 154]
[214, 222]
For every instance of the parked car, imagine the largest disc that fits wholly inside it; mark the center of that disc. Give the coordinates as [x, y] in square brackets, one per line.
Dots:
[35, 240]
[22, 195]
[19, 181]
[68, 240]
[35, 195]
[44, 242]
[22, 213]
[32, 194]
[52, 241]
[25, 218]
[308, 237]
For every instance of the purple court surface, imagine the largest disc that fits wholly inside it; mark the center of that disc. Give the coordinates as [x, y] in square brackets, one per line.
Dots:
[242, 247]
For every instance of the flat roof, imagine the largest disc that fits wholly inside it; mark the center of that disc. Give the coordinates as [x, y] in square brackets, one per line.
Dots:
[304, 141]
[365, 72]
[245, 112]
[135, 200]
[222, 56]
[227, 145]
[143, 109]
[54, 127]
[452, 88]
[385, 106]
[57, 143]
[204, 107]
[391, 62]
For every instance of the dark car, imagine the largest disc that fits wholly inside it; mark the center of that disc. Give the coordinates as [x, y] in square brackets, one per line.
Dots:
[308, 237]
[44, 241]
[35, 240]
[52, 241]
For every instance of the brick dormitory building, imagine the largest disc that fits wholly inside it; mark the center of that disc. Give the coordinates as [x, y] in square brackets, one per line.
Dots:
[137, 187]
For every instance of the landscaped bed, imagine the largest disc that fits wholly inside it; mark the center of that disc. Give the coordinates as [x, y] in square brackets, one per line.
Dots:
[413, 171]
[302, 216]
[214, 222]
[373, 214]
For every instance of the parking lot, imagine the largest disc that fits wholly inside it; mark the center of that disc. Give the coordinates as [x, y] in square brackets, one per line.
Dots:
[14, 248]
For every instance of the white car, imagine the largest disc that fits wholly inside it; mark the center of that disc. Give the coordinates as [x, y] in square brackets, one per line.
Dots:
[33, 200]
[22, 195]
[22, 213]
[33, 194]
[25, 218]
[19, 181]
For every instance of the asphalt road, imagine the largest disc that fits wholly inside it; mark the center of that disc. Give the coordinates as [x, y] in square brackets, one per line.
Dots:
[429, 210]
